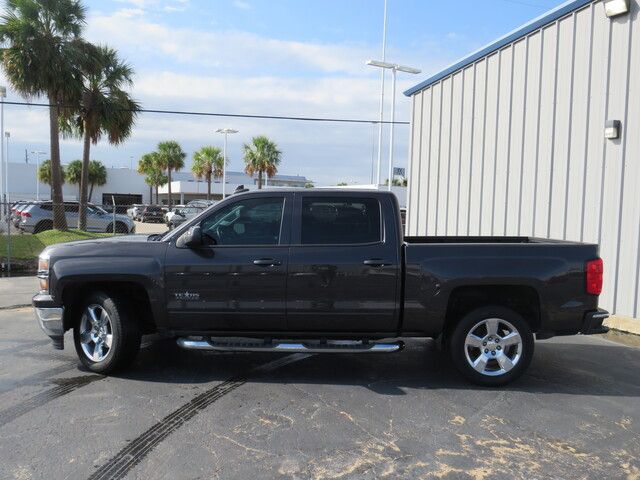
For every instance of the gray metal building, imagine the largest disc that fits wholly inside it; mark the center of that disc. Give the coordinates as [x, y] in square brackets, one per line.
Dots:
[512, 140]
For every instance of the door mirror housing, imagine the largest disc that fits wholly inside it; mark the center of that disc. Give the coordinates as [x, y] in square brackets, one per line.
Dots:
[192, 238]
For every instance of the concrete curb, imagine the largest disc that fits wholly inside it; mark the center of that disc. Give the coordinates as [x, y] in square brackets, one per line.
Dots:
[623, 324]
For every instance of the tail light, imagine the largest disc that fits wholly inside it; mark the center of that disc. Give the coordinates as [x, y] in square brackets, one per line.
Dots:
[594, 271]
[25, 214]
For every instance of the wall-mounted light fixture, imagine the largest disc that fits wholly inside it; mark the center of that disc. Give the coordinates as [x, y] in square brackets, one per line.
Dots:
[612, 129]
[613, 8]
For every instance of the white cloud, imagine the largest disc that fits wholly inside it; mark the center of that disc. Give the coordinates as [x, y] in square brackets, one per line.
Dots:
[242, 5]
[227, 50]
[129, 12]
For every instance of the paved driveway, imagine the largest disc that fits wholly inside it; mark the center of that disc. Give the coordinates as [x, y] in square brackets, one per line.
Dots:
[179, 414]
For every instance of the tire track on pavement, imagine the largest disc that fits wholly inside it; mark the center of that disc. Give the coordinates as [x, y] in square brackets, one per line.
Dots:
[66, 385]
[131, 455]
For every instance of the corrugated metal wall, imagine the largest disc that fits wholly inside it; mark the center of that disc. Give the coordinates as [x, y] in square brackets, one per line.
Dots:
[513, 144]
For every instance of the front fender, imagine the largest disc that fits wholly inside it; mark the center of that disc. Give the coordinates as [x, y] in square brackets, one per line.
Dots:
[146, 272]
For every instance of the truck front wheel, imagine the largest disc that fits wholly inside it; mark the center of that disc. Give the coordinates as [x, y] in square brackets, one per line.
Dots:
[491, 346]
[106, 335]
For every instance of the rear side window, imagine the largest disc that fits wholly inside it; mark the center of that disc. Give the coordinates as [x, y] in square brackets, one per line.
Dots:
[340, 220]
[46, 206]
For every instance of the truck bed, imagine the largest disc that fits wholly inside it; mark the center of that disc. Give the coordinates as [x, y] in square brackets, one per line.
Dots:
[485, 240]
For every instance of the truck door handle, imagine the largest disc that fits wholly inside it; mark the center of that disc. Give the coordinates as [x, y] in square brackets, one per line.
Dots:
[267, 262]
[374, 262]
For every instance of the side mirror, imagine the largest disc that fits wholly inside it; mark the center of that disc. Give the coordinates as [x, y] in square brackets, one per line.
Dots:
[192, 238]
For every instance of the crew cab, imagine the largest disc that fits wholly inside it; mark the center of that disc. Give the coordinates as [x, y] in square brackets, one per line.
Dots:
[318, 271]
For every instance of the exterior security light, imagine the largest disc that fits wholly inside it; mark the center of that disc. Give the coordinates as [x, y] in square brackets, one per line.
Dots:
[612, 129]
[613, 8]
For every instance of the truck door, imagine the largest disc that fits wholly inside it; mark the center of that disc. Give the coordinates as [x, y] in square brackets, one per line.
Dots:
[236, 280]
[344, 264]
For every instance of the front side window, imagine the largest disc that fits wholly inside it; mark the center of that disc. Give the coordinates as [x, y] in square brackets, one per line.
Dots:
[340, 220]
[254, 221]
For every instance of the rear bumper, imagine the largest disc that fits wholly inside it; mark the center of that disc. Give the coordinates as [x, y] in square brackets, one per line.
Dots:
[592, 323]
[50, 318]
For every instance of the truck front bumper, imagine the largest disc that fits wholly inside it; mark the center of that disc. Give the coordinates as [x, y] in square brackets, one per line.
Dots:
[50, 318]
[592, 323]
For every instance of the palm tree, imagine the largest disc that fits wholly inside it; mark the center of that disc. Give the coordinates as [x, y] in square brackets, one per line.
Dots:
[149, 165]
[104, 109]
[97, 175]
[73, 173]
[208, 162]
[44, 173]
[42, 56]
[171, 157]
[261, 156]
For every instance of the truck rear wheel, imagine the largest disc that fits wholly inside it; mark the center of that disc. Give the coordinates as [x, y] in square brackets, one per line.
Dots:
[491, 346]
[106, 335]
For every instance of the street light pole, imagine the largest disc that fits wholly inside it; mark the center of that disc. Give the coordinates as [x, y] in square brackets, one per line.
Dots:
[394, 67]
[37, 154]
[225, 131]
[393, 119]
[3, 95]
[6, 170]
[384, 51]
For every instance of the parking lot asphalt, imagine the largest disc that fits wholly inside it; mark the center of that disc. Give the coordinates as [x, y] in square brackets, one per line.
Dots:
[179, 414]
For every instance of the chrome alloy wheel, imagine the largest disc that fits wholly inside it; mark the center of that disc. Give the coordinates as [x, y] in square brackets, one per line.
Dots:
[96, 333]
[493, 347]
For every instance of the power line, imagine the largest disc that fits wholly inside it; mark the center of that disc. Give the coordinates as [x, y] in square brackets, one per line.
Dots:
[232, 115]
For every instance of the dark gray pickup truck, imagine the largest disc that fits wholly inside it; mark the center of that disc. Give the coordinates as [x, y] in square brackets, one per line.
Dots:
[318, 271]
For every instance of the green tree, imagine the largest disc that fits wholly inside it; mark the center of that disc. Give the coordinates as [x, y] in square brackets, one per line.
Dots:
[42, 55]
[44, 173]
[97, 175]
[73, 173]
[149, 165]
[171, 158]
[208, 163]
[105, 109]
[342, 184]
[308, 185]
[261, 156]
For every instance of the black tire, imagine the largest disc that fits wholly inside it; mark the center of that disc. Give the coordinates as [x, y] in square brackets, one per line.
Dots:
[43, 226]
[518, 355]
[124, 329]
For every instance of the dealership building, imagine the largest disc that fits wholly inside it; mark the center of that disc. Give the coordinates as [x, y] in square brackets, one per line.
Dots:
[538, 134]
[127, 186]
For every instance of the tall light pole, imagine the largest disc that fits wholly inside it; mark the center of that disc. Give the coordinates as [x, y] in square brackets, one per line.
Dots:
[226, 131]
[382, 72]
[6, 170]
[3, 95]
[394, 67]
[37, 154]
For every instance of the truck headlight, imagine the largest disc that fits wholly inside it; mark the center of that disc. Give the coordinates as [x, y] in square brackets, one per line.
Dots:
[43, 273]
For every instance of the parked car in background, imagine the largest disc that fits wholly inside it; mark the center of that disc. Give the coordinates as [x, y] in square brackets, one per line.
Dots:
[134, 210]
[17, 208]
[169, 214]
[151, 213]
[38, 217]
[184, 214]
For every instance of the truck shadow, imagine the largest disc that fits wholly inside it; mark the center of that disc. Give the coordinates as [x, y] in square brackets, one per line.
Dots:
[570, 366]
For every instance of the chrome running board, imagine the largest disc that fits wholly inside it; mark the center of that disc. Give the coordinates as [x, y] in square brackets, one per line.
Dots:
[250, 345]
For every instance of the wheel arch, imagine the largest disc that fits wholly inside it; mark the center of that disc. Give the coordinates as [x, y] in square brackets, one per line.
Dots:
[522, 299]
[74, 294]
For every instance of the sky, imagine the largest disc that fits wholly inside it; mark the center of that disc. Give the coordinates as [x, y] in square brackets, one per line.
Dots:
[274, 57]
